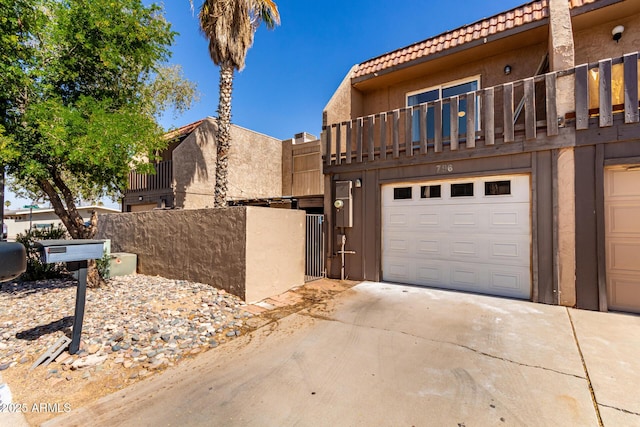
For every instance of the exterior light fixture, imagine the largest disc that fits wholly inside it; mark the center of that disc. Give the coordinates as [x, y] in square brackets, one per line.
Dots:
[140, 198]
[507, 70]
[617, 32]
[358, 183]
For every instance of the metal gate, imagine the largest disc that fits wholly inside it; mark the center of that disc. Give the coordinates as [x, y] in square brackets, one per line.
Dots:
[314, 256]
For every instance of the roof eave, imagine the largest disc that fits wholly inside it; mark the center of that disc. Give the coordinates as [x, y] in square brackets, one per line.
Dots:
[472, 44]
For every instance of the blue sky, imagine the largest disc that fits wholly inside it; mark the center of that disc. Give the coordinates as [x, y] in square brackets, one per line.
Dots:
[292, 71]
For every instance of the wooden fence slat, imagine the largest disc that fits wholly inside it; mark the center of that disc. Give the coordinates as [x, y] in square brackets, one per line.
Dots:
[328, 154]
[606, 108]
[383, 136]
[489, 117]
[454, 107]
[529, 109]
[408, 131]
[581, 90]
[359, 140]
[471, 120]
[631, 88]
[551, 104]
[437, 126]
[349, 125]
[423, 128]
[371, 121]
[507, 94]
[338, 144]
[396, 133]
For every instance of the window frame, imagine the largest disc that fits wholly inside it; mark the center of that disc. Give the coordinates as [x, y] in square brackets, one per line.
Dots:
[440, 88]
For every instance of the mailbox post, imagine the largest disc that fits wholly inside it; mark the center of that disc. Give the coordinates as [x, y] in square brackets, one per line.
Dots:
[75, 253]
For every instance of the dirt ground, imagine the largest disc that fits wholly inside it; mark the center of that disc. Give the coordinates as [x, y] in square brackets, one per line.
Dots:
[44, 394]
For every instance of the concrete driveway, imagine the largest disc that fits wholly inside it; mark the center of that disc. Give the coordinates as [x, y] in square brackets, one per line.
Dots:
[382, 354]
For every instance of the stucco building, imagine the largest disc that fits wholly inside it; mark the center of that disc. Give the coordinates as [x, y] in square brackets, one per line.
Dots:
[263, 171]
[502, 157]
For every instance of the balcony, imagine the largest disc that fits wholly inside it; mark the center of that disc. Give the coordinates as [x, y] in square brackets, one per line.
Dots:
[161, 180]
[536, 113]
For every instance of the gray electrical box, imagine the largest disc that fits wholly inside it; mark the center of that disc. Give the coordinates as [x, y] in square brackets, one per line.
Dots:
[70, 250]
[344, 204]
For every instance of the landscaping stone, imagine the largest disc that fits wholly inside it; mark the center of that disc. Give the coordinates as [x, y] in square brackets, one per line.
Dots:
[132, 318]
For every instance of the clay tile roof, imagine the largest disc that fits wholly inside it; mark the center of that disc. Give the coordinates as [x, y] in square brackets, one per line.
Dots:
[531, 12]
[182, 131]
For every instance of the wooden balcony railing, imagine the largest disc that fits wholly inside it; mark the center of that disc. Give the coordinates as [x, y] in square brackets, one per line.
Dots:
[524, 110]
[161, 180]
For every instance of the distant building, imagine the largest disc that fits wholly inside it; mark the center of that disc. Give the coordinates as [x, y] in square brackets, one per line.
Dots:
[19, 221]
[263, 171]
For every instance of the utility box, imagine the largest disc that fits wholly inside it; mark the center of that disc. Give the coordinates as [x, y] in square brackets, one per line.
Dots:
[122, 264]
[344, 204]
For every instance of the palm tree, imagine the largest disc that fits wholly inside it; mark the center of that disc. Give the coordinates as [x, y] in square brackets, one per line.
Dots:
[230, 25]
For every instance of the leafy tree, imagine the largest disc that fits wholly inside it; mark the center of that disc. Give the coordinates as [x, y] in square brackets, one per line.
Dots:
[230, 25]
[81, 85]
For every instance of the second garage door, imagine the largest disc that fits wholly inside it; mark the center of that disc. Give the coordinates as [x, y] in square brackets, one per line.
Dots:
[622, 237]
[469, 234]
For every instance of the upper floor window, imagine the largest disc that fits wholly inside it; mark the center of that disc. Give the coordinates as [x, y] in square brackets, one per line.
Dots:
[440, 92]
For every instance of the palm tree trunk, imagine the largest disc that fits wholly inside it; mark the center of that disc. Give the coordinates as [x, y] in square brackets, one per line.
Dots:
[223, 139]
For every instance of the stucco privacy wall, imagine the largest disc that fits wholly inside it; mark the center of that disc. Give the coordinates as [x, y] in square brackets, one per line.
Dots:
[275, 248]
[210, 246]
[194, 166]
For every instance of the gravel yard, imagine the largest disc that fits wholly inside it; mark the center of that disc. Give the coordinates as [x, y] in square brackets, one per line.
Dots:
[139, 321]
[133, 326]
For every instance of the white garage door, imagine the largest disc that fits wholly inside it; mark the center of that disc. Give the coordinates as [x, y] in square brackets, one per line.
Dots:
[469, 234]
[622, 238]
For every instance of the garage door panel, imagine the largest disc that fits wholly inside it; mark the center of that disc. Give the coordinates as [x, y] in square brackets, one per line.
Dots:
[429, 273]
[478, 244]
[431, 247]
[623, 219]
[399, 246]
[429, 219]
[622, 183]
[508, 250]
[464, 219]
[625, 293]
[464, 249]
[400, 270]
[622, 255]
[509, 280]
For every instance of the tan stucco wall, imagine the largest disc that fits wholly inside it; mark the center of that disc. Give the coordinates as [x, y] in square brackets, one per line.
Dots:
[194, 168]
[275, 251]
[250, 252]
[346, 102]
[566, 255]
[255, 166]
[204, 245]
[561, 50]
[595, 43]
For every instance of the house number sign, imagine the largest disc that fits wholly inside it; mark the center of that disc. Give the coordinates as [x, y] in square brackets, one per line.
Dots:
[444, 168]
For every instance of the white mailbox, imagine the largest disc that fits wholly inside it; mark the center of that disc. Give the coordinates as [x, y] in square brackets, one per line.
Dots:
[70, 250]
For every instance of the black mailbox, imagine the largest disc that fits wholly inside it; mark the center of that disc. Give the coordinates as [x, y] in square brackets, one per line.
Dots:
[75, 253]
[13, 260]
